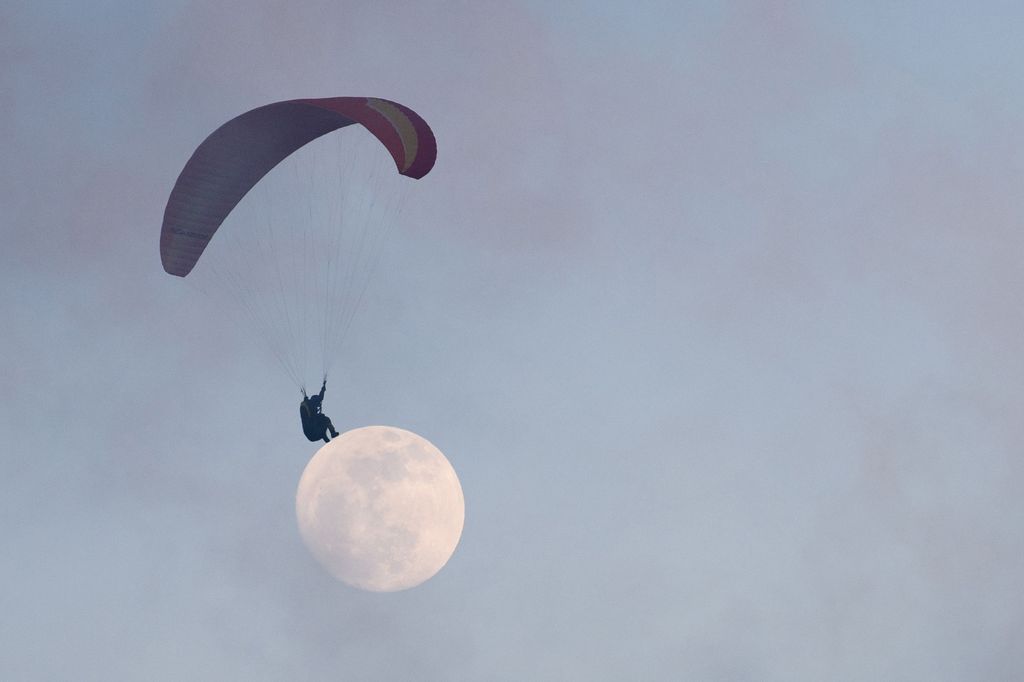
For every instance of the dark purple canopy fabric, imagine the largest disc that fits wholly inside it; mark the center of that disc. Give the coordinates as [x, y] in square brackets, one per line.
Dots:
[238, 154]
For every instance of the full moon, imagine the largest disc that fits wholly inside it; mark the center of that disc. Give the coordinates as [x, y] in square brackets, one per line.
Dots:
[380, 508]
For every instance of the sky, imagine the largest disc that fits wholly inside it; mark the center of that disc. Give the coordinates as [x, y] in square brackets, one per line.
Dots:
[713, 307]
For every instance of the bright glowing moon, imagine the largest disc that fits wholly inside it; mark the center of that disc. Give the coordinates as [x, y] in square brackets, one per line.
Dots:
[380, 508]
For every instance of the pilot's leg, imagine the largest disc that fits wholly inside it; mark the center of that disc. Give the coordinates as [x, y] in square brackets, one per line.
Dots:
[330, 426]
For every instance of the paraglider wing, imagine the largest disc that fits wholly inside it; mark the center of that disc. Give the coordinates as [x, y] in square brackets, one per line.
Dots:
[238, 154]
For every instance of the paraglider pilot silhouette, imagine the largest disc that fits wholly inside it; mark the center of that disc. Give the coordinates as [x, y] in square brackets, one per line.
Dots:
[315, 424]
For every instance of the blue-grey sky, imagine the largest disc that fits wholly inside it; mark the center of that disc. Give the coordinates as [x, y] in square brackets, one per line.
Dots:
[714, 308]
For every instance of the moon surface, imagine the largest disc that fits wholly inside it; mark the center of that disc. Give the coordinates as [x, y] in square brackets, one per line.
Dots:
[380, 508]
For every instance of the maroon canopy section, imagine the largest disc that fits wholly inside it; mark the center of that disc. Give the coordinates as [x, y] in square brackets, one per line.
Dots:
[238, 154]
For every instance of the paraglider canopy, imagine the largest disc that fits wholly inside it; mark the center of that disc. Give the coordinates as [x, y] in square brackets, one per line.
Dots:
[239, 153]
